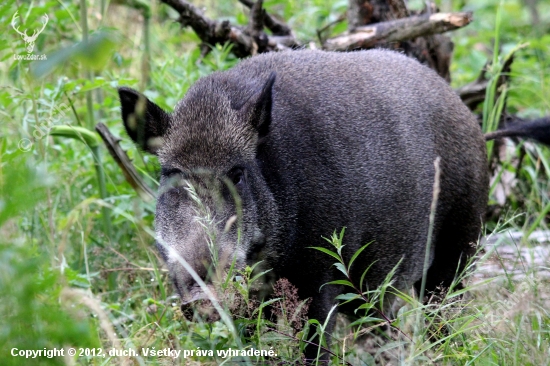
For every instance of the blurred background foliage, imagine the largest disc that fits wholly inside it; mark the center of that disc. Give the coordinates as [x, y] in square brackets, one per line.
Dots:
[52, 236]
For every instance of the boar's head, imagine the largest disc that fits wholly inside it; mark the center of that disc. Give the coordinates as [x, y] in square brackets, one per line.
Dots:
[214, 206]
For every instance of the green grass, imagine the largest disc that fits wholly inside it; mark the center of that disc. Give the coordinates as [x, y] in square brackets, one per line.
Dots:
[65, 281]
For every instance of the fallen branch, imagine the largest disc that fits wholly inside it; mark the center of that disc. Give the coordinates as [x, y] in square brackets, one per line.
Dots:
[256, 22]
[277, 27]
[340, 19]
[246, 41]
[123, 161]
[398, 30]
[192, 16]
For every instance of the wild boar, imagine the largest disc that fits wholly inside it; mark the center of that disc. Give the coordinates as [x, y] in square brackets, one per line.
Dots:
[314, 142]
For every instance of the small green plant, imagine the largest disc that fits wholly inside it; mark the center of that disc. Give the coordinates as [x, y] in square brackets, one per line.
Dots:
[366, 301]
[369, 297]
[418, 332]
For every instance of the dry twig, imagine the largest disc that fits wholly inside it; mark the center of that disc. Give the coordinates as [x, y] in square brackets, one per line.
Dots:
[276, 26]
[124, 163]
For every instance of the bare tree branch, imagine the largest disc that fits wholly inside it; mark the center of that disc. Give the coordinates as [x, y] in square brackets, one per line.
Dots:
[246, 41]
[256, 22]
[273, 24]
[191, 16]
[398, 30]
[123, 161]
[279, 43]
[255, 27]
[320, 31]
[209, 31]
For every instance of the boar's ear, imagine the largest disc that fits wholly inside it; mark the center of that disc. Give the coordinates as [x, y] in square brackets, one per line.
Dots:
[145, 121]
[257, 108]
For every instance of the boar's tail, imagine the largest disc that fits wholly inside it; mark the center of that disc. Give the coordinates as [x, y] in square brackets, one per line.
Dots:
[538, 130]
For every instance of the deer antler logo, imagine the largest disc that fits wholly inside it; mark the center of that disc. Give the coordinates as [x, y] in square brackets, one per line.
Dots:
[29, 40]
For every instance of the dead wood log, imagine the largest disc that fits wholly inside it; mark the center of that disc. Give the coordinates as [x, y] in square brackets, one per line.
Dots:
[123, 161]
[434, 51]
[398, 30]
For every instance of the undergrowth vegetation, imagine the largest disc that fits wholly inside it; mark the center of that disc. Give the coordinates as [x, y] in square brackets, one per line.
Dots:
[78, 268]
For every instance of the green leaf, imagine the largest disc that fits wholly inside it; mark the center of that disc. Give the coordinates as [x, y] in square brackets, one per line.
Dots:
[254, 266]
[93, 54]
[258, 276]
[78, 133]
[337, 282]
[347, 297]
[340, 282]
[264, 304]
[313, 321]
[366, 305]
[341, 268]
[364, 274]
[329, 252]
[365, 319]
[354, 257]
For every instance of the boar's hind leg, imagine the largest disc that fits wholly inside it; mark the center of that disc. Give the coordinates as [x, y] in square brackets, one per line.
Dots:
[455, 244]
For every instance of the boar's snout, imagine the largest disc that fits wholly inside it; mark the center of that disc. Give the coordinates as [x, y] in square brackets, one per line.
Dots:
[190, 246]
[198, 302]
[194, 299]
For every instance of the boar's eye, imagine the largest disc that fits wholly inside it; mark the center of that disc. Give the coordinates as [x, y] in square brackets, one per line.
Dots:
[236, 175]
[169, 172]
